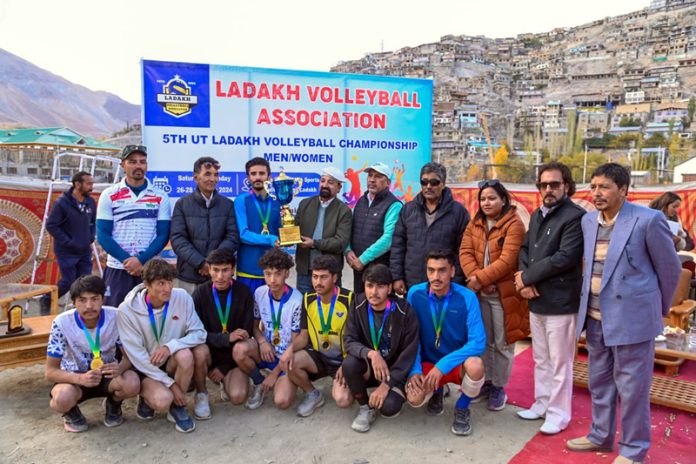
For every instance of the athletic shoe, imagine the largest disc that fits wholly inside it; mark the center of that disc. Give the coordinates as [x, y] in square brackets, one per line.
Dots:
[435, 406]
[528, 414]
[179, 416]
[113, 415]
[498, 398]
[223, 393]
[484, 394]
[74, 421]
[366, 416]
[144, 412]
[547, 428]
[256, 396]
[461, 424]
[201, 407]
[311, 401]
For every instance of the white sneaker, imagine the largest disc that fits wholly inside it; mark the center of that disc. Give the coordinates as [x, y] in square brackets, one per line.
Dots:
[549, 429]
[366, 416]
[528, 414]
[201, 408]
[256, 396]
[311, 401]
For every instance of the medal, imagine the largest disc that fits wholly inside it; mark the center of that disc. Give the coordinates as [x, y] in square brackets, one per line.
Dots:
[377, 336]
[264, 216]
[275, 318]
[96, 363]
[226, 316]
[326, 325]
[94, 343]
[438, 318]
[153, 325]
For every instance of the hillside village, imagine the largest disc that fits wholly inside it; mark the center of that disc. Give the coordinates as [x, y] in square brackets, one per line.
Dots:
[620, 87]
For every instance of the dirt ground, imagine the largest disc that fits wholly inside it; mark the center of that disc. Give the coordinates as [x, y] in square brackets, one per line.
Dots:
[31, 433]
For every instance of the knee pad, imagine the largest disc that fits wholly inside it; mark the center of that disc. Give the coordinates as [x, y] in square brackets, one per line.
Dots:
[471, 388]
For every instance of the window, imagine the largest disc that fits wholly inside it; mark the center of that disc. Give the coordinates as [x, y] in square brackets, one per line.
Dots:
[12, 170]
[32, 171]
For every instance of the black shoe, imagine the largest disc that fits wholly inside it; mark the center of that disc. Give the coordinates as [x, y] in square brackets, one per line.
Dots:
[113, 415]
[461, 425]
[74, 421]
[144, 412]
[435, 406]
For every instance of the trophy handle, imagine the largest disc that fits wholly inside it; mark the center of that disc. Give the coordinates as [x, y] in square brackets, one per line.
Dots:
[266, 186]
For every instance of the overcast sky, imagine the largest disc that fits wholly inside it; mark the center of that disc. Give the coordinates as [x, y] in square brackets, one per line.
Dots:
[99, 43]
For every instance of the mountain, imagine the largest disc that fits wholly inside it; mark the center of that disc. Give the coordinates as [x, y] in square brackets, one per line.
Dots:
[33, 97]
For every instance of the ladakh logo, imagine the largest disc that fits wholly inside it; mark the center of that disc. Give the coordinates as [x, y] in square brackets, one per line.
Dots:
[176, 98]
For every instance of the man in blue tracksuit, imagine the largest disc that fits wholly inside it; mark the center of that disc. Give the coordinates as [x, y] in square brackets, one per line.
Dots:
[452, 339]
[258, 221]
[72, 224]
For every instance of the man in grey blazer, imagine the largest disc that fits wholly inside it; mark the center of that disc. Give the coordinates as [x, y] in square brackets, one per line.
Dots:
[630, 273]
[325, 226]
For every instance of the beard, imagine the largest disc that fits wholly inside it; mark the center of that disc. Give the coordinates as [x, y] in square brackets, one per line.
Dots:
[324, 193]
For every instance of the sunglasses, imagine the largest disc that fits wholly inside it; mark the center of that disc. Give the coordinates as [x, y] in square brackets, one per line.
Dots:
[209, 165]
[488, 183]
[432, 182]
[544, 185]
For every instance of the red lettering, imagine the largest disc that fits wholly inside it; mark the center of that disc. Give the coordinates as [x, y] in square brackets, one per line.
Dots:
[263, 91]
[395, 99]
[218, 89]
[278, 91]
[249, 90]
[278, 116]
[371, 94]
[263, 117]
[416, 104]
[360, 96]
[337, 96]
[294, 92]
[383, 98]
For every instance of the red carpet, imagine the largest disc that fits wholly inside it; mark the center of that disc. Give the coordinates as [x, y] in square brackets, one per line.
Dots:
[674, 431]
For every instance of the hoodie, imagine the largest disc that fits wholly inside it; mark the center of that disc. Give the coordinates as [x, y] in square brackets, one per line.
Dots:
[183, 329]
[72, 225]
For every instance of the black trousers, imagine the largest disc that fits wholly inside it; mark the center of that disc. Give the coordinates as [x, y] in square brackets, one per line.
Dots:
[354, 370]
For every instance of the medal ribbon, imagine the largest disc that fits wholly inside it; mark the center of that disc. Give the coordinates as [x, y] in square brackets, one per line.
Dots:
[223, 317]
[94, 343]
[153, 324]
[376, 337]
[263, 215]
[438, 321]
[276, 319]
[326, 327]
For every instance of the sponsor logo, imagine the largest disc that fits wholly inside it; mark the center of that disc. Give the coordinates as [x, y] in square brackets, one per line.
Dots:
[176, 97]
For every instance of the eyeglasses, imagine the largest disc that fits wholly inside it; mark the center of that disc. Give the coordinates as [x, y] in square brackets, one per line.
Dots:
[209, 165]
[544, 185]
[432, 182]
[488, 183]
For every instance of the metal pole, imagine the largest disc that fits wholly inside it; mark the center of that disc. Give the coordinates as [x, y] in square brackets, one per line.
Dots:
[584, 166]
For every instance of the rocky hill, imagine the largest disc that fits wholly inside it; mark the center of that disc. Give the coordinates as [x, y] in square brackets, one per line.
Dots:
[31, 96]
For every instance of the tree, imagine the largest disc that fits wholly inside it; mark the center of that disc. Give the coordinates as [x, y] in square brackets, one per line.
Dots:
[473, 172]
[501, 156]
[691, 109]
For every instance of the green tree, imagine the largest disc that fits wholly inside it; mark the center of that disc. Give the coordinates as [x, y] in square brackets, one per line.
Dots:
[691, 109]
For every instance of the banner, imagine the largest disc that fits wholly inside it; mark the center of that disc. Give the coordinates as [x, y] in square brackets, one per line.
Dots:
[298, 120]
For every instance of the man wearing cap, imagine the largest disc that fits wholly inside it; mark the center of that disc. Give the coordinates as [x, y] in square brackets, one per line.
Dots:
[132, 224]
[203, 221]
[324, 226]
[374, 218]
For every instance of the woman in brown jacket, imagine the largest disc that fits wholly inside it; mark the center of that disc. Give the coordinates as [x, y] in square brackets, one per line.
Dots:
[488, 255]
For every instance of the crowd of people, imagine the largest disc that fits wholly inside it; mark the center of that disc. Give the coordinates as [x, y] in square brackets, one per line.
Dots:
[438, 299]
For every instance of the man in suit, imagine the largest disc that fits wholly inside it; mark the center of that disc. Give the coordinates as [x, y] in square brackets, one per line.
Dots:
[325, 224]
[630, 273]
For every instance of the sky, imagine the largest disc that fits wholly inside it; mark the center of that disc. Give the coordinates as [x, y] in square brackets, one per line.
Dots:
[99, 43]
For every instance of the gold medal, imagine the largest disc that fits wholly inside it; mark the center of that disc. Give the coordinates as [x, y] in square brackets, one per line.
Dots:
[326, 343]
[265, 230]
[276, 338]
[96, 363]
[437, 342]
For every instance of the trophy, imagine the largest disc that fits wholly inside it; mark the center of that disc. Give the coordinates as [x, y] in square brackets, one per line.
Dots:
[285, 188]
[14, 316]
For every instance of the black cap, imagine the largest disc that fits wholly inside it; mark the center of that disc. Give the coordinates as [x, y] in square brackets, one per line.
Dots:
[130, 149]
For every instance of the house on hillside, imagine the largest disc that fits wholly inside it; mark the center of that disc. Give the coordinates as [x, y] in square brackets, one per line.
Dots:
[30, 152]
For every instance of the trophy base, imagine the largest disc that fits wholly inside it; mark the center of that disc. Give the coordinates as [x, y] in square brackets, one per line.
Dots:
[289, 235]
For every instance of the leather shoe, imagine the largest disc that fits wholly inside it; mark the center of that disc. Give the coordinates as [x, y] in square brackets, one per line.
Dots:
[528, 414]
[624, 460]
[583, 444]
[548, 428]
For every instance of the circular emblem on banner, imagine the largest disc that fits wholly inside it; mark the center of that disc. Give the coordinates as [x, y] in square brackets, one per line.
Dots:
[19, 232]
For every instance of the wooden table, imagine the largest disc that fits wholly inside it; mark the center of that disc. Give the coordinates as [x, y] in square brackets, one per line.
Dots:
[24, 350]
[9, 293]
[664, 390]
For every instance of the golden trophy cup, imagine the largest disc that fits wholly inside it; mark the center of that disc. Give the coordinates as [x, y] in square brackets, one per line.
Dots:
[285, 188]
